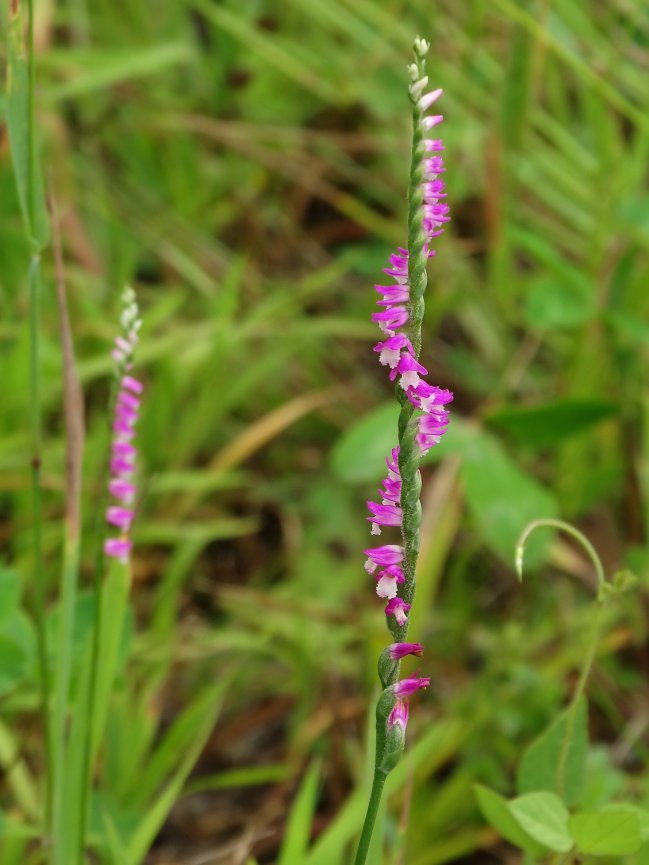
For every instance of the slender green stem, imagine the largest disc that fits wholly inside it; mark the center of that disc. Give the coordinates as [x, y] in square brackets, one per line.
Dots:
[61, 696]
[32, 204]
[91, 694]
[37, 520]
[580, 690]
[373, 805]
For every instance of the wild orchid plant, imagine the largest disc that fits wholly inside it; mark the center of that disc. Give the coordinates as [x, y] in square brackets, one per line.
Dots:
[123, 452]
[422, 421]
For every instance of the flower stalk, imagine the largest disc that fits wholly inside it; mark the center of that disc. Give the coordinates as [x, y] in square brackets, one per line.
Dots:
[422, 421]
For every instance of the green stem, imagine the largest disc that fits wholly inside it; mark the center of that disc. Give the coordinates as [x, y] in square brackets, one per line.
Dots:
[37, 521]
[580, 690]
[91, 695]
[378, 783]
[61, 695]
[32, 204]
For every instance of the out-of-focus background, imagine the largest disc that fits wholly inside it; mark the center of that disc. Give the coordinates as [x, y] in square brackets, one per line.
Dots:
[244, 165]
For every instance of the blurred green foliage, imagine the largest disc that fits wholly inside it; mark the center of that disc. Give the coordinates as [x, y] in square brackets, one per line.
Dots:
[243, 165]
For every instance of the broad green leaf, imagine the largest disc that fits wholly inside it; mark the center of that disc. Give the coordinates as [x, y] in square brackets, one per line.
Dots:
[13, 828]
[548, 424]
[634, 212]
[502, 498]
[554, 304]
[359, 455]
[545, 818]
[610, 832]
[557, 759]
[641, 815]
[642, 856]
[16, 651]
[495, 810]
[13, 666]
[298, 828]
[630, 327]
[603, 782]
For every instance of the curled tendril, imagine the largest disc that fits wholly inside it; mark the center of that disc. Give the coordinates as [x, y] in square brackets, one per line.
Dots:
[573, 532]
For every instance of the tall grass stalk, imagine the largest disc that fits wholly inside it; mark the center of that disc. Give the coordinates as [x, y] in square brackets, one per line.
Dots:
[62, 837]
[21, 86]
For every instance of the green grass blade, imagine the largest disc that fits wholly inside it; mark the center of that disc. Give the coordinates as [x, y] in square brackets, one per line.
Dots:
[298, 826]
[203, 714]
[20, 126]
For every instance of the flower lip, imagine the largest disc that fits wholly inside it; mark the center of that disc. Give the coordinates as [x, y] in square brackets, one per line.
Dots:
[399, 715]
[398, 608]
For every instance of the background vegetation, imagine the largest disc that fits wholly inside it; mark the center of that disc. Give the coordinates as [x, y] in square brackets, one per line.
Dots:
[243, 165]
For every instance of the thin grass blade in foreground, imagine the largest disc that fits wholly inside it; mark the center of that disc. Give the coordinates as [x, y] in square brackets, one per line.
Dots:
[422, 422]
[74, 435]
[21, 86]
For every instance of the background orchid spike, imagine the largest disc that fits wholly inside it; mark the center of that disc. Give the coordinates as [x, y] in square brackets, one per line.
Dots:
[423, 420]
[123, 452]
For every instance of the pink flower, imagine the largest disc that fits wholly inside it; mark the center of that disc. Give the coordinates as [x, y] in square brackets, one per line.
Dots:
[132, 384]
[431, 428]
[397, 293]
[433, 165]
[406, 687]
[120, 517]
[398, 608]
[427, 100]
[398, 651]
[391, 349]
[399, 262]
[392, 462]
[390, 319]
[122, 490]
[387, 554]
[425, 396]
[431, 121]
[409, 370]
[118, 548]
[383, 515]
[388, 580]
[398, 717]
[391, 491]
